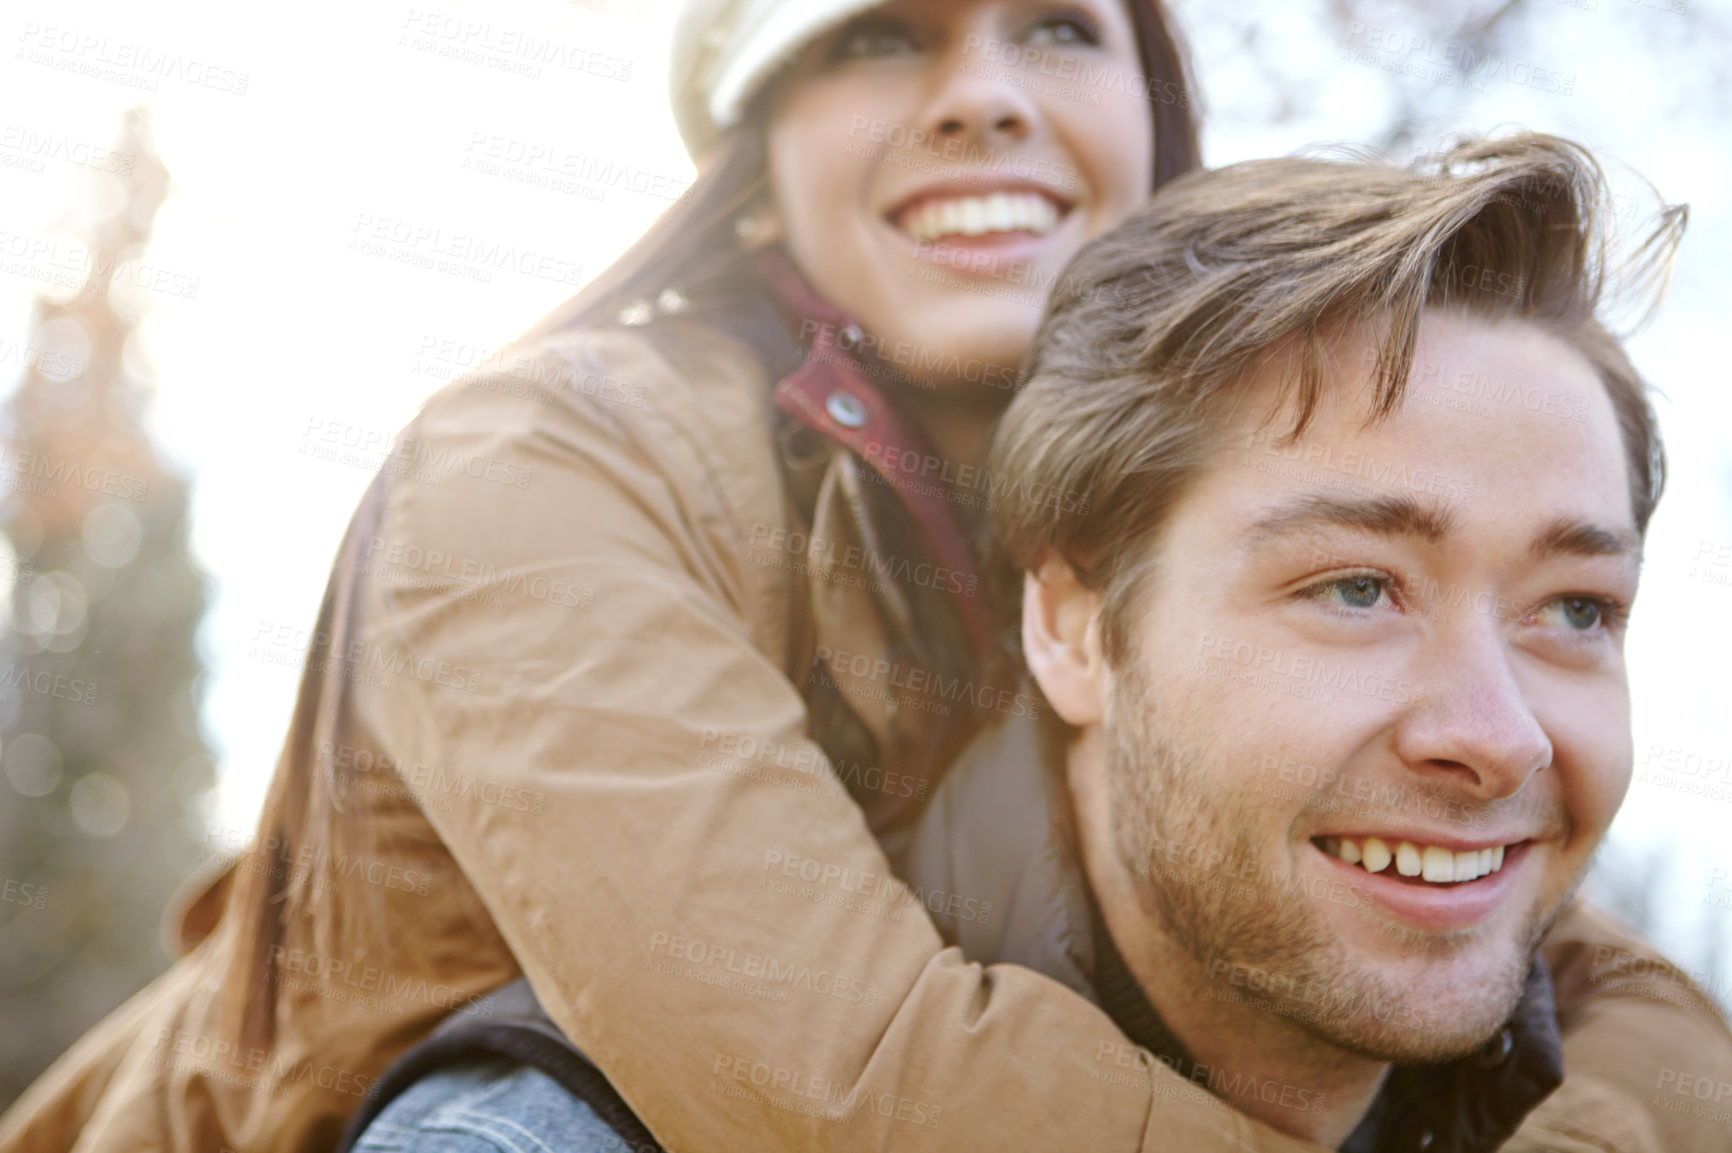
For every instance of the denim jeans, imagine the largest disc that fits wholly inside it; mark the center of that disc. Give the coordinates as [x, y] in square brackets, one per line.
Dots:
[489, 1106]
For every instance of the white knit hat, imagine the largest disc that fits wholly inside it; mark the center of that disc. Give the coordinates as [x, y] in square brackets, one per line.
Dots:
[724, 51]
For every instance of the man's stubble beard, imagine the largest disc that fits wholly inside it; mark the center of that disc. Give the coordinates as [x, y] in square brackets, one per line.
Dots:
[1246, 915]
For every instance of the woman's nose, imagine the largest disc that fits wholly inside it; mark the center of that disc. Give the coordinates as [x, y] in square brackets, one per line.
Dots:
[973, 100]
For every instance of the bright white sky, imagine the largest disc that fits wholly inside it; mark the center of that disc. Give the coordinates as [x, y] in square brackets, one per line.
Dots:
[346, 118]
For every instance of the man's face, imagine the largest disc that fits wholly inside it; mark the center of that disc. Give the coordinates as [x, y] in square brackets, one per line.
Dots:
[1411, 631]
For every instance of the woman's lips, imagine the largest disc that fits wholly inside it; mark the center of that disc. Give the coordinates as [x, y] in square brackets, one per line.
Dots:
[1426, 904]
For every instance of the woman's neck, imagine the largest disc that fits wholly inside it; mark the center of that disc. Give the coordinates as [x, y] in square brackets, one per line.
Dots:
[958, 422]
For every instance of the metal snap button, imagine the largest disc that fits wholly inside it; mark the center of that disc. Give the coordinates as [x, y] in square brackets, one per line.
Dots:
[850, 337]
[846, 409]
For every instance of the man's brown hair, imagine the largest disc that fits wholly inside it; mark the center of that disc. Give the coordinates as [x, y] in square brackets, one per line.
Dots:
[1135, 365]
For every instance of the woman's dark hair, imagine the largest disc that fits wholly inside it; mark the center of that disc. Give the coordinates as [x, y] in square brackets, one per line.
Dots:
[693, 245]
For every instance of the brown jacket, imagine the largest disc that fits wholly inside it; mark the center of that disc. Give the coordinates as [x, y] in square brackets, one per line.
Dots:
[555, 718]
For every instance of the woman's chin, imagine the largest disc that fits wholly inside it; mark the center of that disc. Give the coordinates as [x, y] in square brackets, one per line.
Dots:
[961, 346]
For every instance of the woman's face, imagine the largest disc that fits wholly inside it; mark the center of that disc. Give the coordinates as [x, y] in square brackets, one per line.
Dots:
[935, 163]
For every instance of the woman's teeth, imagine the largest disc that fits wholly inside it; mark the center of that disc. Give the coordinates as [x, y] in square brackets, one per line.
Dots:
[1428, 862]
[978, 215]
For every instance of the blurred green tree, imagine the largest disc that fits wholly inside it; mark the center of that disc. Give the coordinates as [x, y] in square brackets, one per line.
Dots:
[101, 751]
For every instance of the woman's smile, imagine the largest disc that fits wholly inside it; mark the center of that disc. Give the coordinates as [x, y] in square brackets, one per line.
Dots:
[993, 230]
[962, 210]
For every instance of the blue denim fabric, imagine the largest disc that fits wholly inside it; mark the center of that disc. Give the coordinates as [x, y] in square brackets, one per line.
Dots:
[489, 1106]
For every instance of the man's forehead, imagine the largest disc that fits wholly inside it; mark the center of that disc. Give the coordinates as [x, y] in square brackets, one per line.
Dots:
[1539, 436]
[1502, 359]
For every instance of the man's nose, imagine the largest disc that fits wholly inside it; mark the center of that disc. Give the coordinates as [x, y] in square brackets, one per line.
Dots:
[1473, 727]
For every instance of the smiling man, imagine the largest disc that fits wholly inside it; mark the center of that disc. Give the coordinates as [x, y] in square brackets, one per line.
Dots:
[1339, 658]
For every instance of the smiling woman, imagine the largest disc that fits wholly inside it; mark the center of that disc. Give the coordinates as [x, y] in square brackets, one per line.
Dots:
[800, 375]
[810, 348]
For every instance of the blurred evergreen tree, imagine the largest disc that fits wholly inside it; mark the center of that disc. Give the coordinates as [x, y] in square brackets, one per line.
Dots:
[101, 752]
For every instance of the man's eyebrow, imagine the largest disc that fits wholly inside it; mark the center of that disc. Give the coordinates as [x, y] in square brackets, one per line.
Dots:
[1404, 516]
[1569, 536]
[1386, 516]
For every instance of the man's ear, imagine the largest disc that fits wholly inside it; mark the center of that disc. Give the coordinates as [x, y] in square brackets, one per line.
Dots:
[1061, 640]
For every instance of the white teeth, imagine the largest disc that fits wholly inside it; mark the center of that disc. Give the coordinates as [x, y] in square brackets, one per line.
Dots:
[1432, 862]
[973, 216]
[978, 215]
[1045, 214]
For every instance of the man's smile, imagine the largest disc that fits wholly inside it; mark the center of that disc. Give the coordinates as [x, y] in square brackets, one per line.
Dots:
[1435, 863]
[1411, 885]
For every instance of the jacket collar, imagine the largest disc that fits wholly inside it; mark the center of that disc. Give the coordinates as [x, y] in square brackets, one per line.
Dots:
[832, 393]
[1471, 1105]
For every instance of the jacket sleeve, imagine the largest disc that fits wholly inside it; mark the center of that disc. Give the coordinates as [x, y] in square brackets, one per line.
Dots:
[575, 620]
[1647, 1055]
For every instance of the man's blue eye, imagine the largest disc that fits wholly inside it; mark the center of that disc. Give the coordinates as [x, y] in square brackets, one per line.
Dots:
[1357, 592]
[1581, 613]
